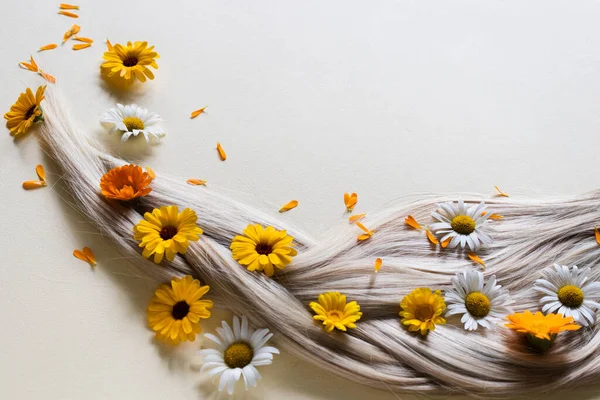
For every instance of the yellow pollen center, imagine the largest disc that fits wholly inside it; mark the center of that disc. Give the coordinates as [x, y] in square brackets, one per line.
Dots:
[424, 312]
[238, 355]
[478, 304]
[463, 224]
[335, 315]
[570, 296]
[133, 123]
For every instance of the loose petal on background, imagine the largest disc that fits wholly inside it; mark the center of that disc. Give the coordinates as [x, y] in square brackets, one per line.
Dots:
[289, 206]
[48, 47]
[222, 154]
[378, 263]
[354, 218]
[196, 182]
[412, 222]
[28, 185]
[476, 258]
[597, 233]
[197, 112]
[47, 77]
[445, 243]
[68, 14]
[83, 39]
[41, 172]
[68, 7]
[81, 46]
[500, 192]
[86, 255]
[350, 201]
[431, 237]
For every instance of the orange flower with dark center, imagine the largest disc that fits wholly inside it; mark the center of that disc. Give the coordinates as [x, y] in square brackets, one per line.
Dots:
[125, 183]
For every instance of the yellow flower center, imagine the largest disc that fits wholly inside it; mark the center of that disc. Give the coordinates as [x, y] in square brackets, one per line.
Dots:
[478, 304]
[180, 310]
[264, 248]
[133, 123]
[130, 60]
[168, 232]
[238, 355]
[335, 315]
[463, 224]
[570, 296]
[424, 312]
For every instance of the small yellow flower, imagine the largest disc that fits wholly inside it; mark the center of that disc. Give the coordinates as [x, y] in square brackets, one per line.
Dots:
[166, 230]
[333, 310]
[422, 309]
[175, 310]
[25, 111]
[130, 62]
[539, 325]
[263, 249]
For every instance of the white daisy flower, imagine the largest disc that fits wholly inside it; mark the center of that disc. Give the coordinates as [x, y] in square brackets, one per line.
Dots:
[569, 293]
[482, 304]
[464, 225]
[238, 353]
[133, 120]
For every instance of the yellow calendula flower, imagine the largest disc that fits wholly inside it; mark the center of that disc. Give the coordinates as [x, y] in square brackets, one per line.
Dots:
[166, 231]
[130, 62]
[540, 329]
[25, 111]
[333, 310]
[263, 249]
[422, 310]
[175, 310]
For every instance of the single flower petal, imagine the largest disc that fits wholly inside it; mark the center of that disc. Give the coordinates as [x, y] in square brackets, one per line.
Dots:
[378, 263]
[431, 237]
[222, 154]
[412, 222]
[68, 14]
[289, 206]
[81, 46]
[28, 185]
[354, 218]
[197, 112]
[68, 7]
[476, 258]
[500, 192]
[196, 182]
[48, 47]
[41, 173]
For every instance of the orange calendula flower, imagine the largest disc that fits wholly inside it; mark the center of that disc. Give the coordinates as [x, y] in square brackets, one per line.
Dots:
[125, 183]
[68, 7]
[540, 329]
[197, 112]
[25, 111]
[196, 182]
[500, 192]
[350, 201]
[222, 154]
[432, 237]
[72, 31]
[68, 14]
[83, 39]
[130, 62]
[357, 217]
[378, 263]
[412, 222]
[31, 65]
[48, 47]
[85, 255]
[29, 185]
[368, 233]
[81, 46]
[475, 257]
[289, 206]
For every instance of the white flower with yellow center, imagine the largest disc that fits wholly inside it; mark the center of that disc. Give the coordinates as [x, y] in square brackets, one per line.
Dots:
[133, 120]
[480, 303]
[464, 225]
[238, 353]
[569, 292]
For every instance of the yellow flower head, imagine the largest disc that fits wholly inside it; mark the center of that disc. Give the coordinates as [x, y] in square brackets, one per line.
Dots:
[539, 325]
[422, 310]
[166, 230]
[263, 249]
[25, 111]
[175, 310]
[334, 312]
[130, 62]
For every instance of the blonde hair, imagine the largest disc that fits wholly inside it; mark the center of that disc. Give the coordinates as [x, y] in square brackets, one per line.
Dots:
[380, 353]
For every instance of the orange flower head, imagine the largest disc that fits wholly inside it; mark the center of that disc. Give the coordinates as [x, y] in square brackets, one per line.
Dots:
[125, 183]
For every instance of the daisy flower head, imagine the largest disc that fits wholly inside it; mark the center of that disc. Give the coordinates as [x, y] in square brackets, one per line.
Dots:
[125, 183]
[263, 249]
[166, 231]
[481, 303]
[238, 352]
[464, 225]
[175, 310]
[540, 329]
[422, 310]
[130, 62]
[132, 120]
[25, 111]
[569, 292]
[334, 312]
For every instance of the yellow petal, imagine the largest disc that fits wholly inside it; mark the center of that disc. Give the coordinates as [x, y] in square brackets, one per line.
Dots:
[47, 77]
[495, 216]
[364, 236]
[83, 39]
[222, 154]
[445, 243]
[28, 185]
[597, 233]
[48, 47]
[150, 172]
[412, 222]
[289, 206]
[68, 7]
[41, 173]
[500, 192]
[378, 263]
[109, 45]
[68, 14]
[81, 46]
[354, 218]
[197, 112]
[476, 258]
[196, 182]
[431, 237]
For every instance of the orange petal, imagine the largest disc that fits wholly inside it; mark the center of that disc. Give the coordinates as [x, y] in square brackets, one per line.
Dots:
[31, 65]
[445, 243]
[47, 77]
[28, 185]
[496, 216]
[476, 258]
[83, 39]
[364, 236]
[378, 263]
[85, 255]
[361, 226]
[222, 154]
[48, 47]
[73, 31]
[354, 218]
[431, 237]
[81, 46]
[150, 172]
[41, 173]
[109, 45]
[197, 112]
[68, 7]
[289, 206]
[350, 200]
[500, 192]
[196, 182]
[597, 233]
[68, 14]
[412, 222]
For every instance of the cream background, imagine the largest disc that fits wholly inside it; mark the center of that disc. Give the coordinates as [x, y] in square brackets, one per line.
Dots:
[310, 99]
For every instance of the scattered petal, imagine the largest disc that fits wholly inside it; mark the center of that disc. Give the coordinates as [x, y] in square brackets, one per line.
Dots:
[500, 192]
[86, 255]
[495, 216]
[476, 258]
[597, 233]
[354, 218]
[109, 45]
[431, 237]
[68, 14]
[412, 222]
[350, 201]
[378, 263]
[364, 236]
[150, 172]
[48, 47]
[196, 182]
[81, 46]
[31, 65]
[47, 77]
[72, 31]
[197, 112]
[83, 39]
[41, 173]
[445, 243]
[368, 233]
[68, 7]
[222, 154]
[29, 185]
[289, 206]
